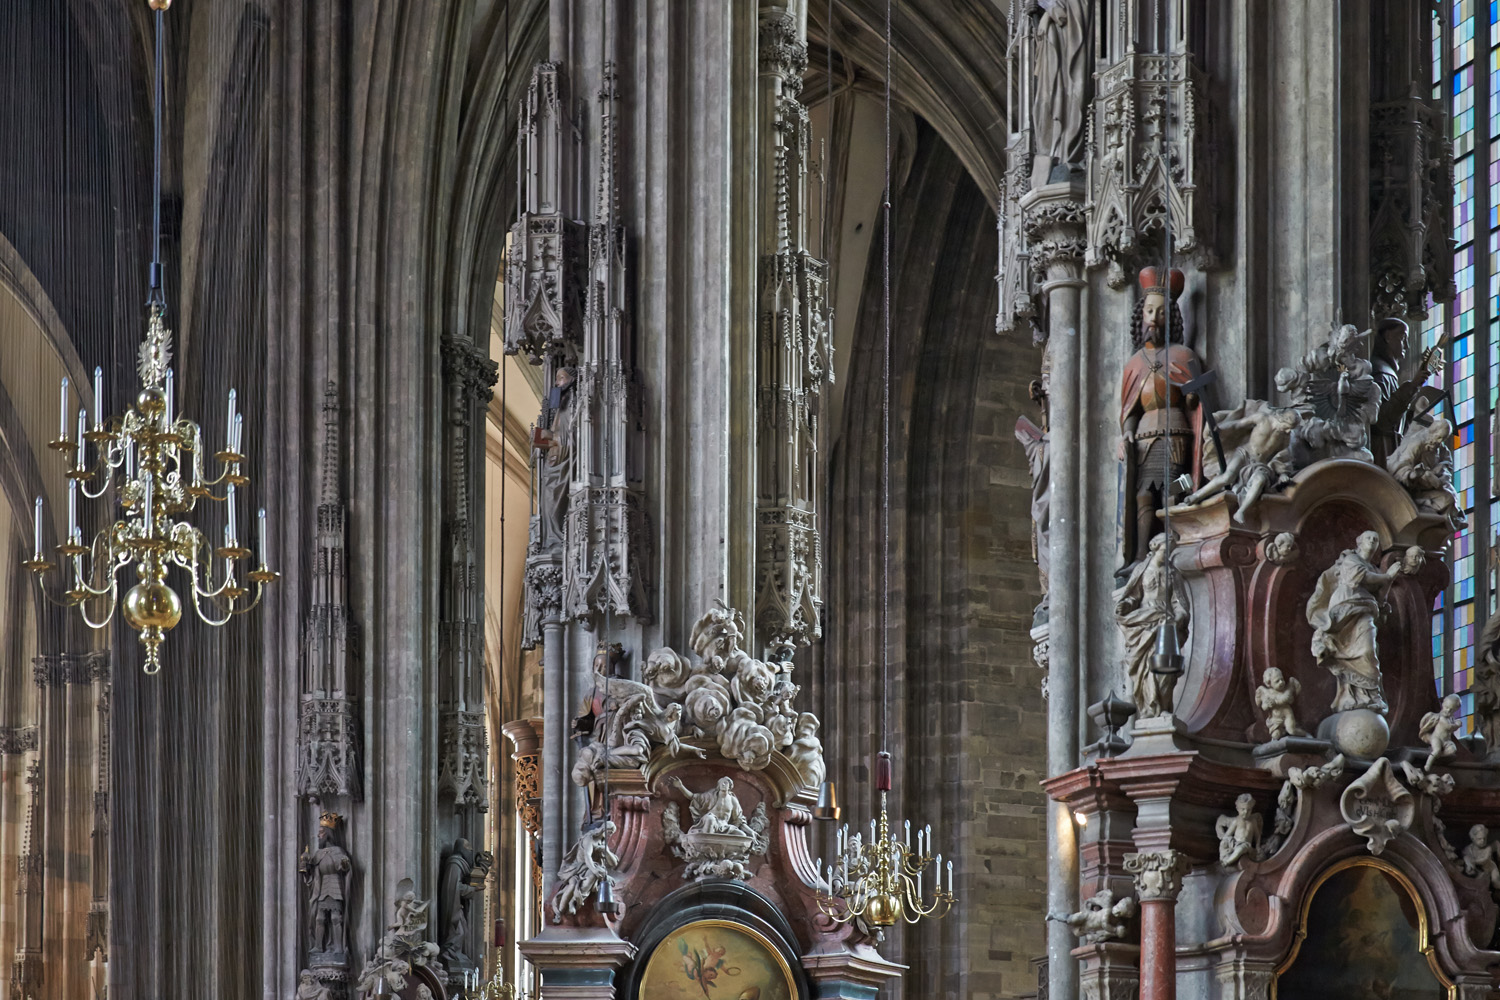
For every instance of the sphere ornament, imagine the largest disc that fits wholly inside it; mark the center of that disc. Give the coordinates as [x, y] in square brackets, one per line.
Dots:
[1360, 733]
[159, 4]
[152, 605]
[885, 909]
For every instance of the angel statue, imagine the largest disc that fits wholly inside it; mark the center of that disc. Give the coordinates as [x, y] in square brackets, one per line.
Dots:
[1239, 835]
[1277, 696]
[1102, 917]
[1345, 611]
[1437, 729]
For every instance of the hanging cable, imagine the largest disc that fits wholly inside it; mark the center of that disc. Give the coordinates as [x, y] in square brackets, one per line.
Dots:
[885, 415]
[157, 297]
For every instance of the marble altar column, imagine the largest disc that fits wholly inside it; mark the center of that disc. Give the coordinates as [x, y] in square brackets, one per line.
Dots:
[1158, 879]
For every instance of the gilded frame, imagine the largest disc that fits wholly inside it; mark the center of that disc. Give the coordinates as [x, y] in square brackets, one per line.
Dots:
[1424, 939]
[766, 945]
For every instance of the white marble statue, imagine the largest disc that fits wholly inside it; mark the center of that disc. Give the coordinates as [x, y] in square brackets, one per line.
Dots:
[1437, 729]
[1154, 593]
[721, 838]
[1423, 463]
[309, 988]
[1239, 835]
[1277, 696]
[1480, 856]
[1339, 399]
[1257, 436]
[586, 864]
[807, 751]
[1345, 611]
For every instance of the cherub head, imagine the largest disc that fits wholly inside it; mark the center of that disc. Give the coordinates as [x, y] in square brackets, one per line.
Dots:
[1479, 835]
[1451, 704]
[1244, 805]
[1274, 679]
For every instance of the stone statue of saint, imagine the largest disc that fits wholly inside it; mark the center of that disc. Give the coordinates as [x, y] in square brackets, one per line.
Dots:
[1062, 75]
[1486, 682]
[1345, 611]
[1161, 427]
[1153, 594]
[462, 877]
[717, 810]
[326, 872]
[587, 863]
[555, 458]
[309, 988]
[1397, 396]
[1036, 442]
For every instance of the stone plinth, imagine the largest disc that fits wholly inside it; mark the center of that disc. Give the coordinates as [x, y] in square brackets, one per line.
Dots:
[577, 963]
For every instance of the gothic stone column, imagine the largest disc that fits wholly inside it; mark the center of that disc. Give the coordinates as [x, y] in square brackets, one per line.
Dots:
[1054, 218]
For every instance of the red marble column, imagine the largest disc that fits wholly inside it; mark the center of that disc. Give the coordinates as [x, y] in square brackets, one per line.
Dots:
[1158, 879]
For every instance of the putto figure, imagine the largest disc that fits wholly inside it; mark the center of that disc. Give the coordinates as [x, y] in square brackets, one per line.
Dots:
[1161, 426]
[1277, 696]
[1239, 835]
[1345, 611]
[1437, 729]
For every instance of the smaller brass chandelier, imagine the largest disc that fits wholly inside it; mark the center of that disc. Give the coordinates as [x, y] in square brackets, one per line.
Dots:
[160, 457]
[882, 881]
[496, 989]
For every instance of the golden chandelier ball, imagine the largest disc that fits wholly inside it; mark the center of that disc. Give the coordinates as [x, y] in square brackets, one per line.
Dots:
[159, 4]
[884, 909]
[152, 605]
[151, 401]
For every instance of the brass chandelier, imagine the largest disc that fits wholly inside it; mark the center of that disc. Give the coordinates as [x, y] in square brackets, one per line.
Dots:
[160, 457]
[882, 881]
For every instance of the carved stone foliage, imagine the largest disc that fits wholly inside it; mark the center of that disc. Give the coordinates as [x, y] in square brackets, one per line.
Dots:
[1411, 188]
[781, 49]
[58, 669]
[544, 581]
[17, 739]
[328, 748]
[1055, 234]
[722, 837]
[462, 748]
[1151, 153]
[528, 792]
[1378, 807]
[1158, 874]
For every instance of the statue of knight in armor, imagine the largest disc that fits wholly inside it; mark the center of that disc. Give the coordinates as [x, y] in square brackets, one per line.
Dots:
[326, 872]
[1161, 426]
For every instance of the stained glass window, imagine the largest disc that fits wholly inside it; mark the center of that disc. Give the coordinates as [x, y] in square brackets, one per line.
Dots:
[1466, 69]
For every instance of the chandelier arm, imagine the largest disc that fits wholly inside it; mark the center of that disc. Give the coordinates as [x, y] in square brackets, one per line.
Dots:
[103, 622]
